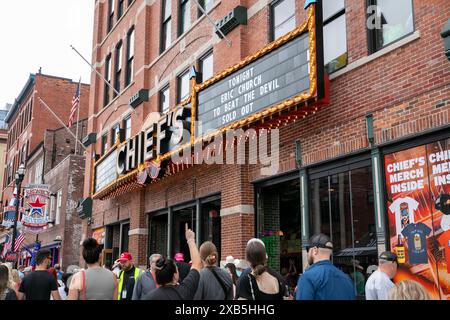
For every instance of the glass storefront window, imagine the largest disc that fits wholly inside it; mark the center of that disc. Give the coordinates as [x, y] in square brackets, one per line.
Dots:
[342, 207]
[280, 228]
[180, 218]
[158, 235]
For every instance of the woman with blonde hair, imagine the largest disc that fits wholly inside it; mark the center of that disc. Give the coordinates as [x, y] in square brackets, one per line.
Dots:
[215, 283]
[408, 290]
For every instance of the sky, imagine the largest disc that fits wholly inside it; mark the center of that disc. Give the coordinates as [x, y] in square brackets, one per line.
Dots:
[38, 33]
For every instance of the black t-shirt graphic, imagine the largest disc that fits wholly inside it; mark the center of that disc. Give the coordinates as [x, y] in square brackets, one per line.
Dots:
[38, 285]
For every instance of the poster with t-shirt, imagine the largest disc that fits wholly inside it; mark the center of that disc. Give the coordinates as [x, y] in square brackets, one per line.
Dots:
[418, 204]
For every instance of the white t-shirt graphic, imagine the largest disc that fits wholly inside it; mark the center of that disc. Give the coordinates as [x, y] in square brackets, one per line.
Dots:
[403, 208]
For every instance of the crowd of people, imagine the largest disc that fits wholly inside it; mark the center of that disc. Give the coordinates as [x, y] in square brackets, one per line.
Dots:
[201, 278]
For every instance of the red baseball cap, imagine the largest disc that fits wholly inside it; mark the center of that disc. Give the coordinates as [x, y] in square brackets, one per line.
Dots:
[179, 256]
[125, 256]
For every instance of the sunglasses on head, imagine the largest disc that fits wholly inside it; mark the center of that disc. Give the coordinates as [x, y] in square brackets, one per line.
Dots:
[318, 246]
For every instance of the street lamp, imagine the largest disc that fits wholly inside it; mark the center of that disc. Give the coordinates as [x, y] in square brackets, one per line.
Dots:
[20, 174]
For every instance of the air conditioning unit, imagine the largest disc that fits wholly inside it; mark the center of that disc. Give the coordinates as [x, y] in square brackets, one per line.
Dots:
[233, 19]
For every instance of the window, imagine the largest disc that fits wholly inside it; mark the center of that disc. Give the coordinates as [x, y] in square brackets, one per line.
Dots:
[166, 25]
[130, 57]
[127, 127]
[283, 18]
[334, 35]
[114, 132]
[183, 86]
[118, 68]
[206, 5]
[51, 208]
[388, 21]
[39, 166]
[120, 9]
[206, 65]
[185, 16]
[111, 15]
[108, 78]
[164, 96]
[342, 206]
[58, 207]
[104, 144]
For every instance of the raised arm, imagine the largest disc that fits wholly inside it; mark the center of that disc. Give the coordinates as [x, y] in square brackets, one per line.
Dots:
[193, 250]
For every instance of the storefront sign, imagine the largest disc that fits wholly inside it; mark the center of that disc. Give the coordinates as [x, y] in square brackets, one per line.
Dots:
[162, 137]
[418, 190]
[105, 171]
[37, 197]
[280, 75]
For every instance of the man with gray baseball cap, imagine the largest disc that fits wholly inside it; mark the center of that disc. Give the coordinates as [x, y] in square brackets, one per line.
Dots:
[379, 283]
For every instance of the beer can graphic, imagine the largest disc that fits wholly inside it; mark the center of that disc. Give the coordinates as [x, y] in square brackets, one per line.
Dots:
[417, 243]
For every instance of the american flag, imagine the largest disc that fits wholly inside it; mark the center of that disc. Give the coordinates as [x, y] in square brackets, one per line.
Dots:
[20, 239]
[7, 245]
[75, 103]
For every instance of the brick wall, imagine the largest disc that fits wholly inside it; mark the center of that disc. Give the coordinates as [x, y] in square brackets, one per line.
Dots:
[405, 89]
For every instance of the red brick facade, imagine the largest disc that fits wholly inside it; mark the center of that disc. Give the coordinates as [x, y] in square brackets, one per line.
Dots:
[405, 86]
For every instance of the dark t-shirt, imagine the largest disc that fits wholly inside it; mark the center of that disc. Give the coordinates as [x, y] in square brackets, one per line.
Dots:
[38, 285]
[128, 284]
[183, 269]
[245, 287]
[184, 291]
[416, 234]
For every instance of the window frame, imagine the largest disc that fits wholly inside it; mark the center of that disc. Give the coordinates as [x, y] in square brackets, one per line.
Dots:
[179, 85]
[182, 25]
[58, 207]
[130, 57]
[164, 22]
[201, 64]
[114, 133]
[202, 4]
[106, 92]
[103, 144]
[160, 103]
[118, 67]
[120, 8]
[334, 17]
[272, 6]
[111, 12]
[124, 124]
[372, 46]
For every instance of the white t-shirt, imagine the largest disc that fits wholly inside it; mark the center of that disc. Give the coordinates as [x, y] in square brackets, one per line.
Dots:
[445, 222]
[403, 208]
[378, 286]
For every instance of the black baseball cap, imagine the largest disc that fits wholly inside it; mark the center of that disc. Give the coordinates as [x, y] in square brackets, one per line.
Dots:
[388, 256]
[319, 240]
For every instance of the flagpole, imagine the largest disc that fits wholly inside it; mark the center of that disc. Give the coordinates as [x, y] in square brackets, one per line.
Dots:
[78, 114]
[60, 121]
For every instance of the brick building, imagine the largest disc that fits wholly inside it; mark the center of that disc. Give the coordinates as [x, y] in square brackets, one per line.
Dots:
[36, 139]
[341, 160]
[62, 170]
